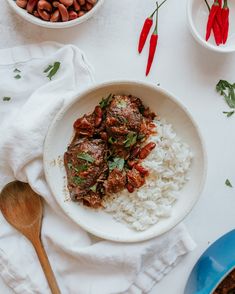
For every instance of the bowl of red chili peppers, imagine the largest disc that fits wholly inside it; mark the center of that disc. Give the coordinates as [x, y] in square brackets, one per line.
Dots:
[212, 23]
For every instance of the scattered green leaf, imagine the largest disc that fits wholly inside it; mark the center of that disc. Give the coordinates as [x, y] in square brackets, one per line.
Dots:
[78, 180]
[130, 139]
[111, 140]
[17, 70]
[86, 157]
[52, 69]
[116, 163]
[17, 77]
[105, 101]
[6, 98]
[228, 113]
[228, 183]
[93, 188]
[70, 166]
[141, 136]
[48, 68]
[80, 168]
[227, 90]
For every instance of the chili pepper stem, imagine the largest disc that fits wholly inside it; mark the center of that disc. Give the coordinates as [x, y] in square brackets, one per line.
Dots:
[158, 6]
[208, 6]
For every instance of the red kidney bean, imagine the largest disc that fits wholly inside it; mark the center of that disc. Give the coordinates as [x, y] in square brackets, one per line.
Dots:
[93, 2]
[36, 14]
[63, 12]
[82, 2]
[135, 152]
[104, 136]
[66, 3]
[21, 3]
[44, 14]
[131, 163]
[130, 188]
[145, 151]
[72, 15]
[89, 6]
[44, 5]
[55, 16]
[143, 171]
[81, 13]
[31, 5]
[76, 5]
[55, 4]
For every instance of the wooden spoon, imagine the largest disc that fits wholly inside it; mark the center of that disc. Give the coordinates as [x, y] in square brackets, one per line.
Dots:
[22, 208]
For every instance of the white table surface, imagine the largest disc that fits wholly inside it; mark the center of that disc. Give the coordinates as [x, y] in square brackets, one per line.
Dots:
[182, 67]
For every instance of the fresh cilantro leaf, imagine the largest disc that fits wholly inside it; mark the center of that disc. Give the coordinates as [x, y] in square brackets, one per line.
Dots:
[52, 69]
[227, 90]
[130, 139]
[105, 101]
[78, 180]
[86, 157]
[6, 98]
[116, 163]
[228, 113]
[93, 188]
[17, 77]
[111, 140]
[228, 183]
[82, 167]
[48, 68]
[17, 70]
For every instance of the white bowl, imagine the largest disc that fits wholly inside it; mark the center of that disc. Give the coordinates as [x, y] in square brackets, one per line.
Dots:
[59, 136]
[197, 14]
[54, 25]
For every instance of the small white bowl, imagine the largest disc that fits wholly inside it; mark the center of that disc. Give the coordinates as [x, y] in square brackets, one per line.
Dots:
[197, 13]
[53, 25]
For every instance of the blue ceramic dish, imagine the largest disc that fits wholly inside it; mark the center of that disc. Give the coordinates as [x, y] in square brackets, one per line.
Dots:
[213, 266]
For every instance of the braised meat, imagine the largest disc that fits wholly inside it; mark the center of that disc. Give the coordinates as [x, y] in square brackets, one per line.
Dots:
[85, 162]
[106, 151]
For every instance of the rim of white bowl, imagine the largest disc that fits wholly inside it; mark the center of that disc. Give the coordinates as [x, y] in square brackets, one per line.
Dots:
[144, 84]
[54, 25]
[198, 37]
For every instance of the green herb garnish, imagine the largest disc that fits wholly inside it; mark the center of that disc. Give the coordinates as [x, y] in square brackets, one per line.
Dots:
[6, 98]
[228, 113]
[70, 166]
[52, 69]
[111, 140]
[227, 90]
[130, 139]
[17, 77]
[80, 168]
[93, 188]
[78, 180]
[105, 101]
[228, 183]
[140, 136]
[116, 163]
[17, 70]
[86, 157]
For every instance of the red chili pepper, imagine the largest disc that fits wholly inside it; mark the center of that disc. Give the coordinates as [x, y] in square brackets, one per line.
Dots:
[217, 33]
[146, 28]
[225, 21]
[152, 47]
[211, 18]
[219, 15]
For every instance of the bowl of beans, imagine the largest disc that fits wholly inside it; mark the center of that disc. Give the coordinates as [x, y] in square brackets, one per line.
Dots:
[214, 272]
[55, 13]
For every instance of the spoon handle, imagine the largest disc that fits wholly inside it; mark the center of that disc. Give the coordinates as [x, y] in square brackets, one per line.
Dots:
[46, 266]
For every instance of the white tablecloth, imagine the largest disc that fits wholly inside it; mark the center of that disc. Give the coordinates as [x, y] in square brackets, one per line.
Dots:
[182, 67]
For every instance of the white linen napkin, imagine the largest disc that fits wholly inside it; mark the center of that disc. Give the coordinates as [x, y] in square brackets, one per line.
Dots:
[82, 264]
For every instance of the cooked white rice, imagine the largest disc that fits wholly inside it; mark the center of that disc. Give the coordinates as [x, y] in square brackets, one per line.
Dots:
[168, 165]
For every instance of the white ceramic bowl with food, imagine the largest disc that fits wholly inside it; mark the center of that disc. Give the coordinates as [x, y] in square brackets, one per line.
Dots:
[98, 222]
[197, 14]
[54, 25]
